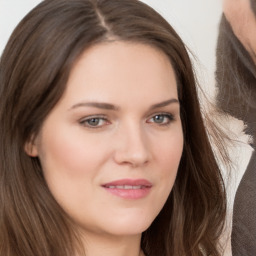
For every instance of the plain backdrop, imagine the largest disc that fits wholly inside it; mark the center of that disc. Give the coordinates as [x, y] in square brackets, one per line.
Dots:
[196, 21]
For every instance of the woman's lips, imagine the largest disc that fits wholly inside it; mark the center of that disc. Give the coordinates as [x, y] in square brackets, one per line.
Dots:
[129, 188]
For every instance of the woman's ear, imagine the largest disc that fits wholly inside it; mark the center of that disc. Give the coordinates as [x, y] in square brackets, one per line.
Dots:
[31, 147]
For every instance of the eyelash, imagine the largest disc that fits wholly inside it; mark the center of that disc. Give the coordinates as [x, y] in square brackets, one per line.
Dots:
[167, 116]
[85, 121]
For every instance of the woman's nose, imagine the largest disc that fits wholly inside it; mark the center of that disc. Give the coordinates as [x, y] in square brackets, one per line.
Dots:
[132, 147]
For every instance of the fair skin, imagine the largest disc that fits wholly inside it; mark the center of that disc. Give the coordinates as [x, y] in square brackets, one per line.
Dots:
[243, 22]
[117, 124]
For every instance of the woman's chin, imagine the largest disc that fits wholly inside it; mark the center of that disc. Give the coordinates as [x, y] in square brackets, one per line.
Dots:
[129, 229]
[131, 223]
[119, 227]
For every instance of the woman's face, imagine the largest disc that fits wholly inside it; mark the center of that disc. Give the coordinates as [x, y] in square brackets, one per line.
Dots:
[111, 147]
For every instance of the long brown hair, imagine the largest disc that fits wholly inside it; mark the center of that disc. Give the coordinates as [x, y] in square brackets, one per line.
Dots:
[34, 69]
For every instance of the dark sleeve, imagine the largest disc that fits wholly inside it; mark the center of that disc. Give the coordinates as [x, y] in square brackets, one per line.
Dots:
[243, 237]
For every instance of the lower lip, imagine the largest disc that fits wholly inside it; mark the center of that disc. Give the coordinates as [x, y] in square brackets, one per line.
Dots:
[129, 193]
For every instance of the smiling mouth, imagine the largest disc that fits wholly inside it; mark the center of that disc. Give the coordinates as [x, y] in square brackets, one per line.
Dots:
[129, 189]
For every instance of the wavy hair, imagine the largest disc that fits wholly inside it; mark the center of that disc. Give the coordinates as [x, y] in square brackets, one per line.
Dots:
[34, 69]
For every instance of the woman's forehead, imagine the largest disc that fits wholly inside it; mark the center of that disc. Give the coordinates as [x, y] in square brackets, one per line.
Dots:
[118, 68]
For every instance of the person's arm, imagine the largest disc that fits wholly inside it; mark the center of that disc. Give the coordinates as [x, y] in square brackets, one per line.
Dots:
[236, 95]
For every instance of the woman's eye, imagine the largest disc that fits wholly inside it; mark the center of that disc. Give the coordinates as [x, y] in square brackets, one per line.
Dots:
[94, 122]
[161, 119]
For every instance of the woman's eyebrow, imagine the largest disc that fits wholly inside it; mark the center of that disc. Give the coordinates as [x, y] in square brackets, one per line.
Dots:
[108, 106]
[100, 105]
[164, 103]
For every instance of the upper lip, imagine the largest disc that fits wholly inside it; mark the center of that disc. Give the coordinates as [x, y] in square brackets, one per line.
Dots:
[129, 182]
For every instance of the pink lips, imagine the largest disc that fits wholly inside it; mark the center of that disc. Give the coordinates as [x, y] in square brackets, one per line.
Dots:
[128, 188]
